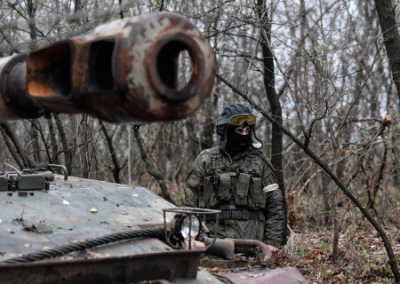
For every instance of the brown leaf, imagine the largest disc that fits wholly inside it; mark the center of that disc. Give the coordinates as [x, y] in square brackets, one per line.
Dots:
[341, 278]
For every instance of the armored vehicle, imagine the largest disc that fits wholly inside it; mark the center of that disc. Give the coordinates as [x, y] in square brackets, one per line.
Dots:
[64, 229]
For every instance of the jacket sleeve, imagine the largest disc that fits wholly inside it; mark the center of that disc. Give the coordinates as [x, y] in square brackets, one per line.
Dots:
[194, 183]
[274, 213]
[192, 189]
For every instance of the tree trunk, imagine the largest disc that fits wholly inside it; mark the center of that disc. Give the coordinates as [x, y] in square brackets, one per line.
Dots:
[276, 110]
[53, 139]
[7, 130]
[116, 169]
[391, 38]
[11, 148]
[32, 7]
[85, 148]
[67, 153]
[35, 141]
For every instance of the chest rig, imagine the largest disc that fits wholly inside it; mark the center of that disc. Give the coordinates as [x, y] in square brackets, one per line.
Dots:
[234, 186]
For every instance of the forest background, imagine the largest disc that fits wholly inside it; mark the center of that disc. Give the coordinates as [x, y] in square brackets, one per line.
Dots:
[323, 78]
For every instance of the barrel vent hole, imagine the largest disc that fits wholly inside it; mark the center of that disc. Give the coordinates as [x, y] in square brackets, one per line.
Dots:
[175, 65]
[100, 66]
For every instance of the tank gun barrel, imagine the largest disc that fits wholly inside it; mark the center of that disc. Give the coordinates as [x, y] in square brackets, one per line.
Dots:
[123, 71]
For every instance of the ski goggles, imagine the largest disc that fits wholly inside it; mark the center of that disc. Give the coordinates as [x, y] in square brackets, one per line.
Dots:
[238, 120]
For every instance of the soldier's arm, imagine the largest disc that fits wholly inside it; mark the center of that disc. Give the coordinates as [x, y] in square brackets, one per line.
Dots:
[194, 182]
[274, 219]
[192, 189]
[274, 214]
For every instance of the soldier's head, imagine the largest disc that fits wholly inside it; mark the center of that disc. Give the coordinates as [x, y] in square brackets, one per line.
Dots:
[236, 127]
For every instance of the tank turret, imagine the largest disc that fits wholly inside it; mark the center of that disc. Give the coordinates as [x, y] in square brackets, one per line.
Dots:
[61, 229]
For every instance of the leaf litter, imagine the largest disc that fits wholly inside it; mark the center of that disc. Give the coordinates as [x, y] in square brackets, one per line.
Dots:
[362, 257]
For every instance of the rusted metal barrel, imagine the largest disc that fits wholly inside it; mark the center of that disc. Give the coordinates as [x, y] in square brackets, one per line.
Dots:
[123, 71]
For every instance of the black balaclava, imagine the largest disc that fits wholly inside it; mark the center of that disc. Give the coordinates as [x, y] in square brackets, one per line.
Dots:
[237, 142]
[222, 130]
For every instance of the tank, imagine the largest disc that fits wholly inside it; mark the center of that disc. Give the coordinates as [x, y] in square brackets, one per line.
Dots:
[64, 229]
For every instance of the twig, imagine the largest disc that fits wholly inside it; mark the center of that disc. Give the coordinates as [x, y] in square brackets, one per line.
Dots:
[150, 169]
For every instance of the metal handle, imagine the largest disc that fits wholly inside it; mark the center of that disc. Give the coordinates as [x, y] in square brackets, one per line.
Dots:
[64, 168]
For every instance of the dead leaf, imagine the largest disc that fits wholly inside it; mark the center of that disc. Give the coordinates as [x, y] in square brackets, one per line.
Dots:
[341, 278]
[27, 245]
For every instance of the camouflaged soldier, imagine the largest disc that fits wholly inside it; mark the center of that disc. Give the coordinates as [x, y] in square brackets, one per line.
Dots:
[235, 178]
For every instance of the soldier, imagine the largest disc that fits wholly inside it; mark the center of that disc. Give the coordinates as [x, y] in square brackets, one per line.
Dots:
[234, 177]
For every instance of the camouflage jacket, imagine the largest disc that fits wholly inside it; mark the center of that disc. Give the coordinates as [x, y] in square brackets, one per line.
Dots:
[248, 211]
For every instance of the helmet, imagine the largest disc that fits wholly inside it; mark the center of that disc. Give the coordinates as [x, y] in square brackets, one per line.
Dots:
[236, 115]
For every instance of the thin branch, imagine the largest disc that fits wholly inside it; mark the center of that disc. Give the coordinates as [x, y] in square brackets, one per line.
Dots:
[308, 133]
[149, 167]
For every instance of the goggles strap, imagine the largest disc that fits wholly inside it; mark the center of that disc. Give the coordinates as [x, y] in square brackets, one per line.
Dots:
[223, 121]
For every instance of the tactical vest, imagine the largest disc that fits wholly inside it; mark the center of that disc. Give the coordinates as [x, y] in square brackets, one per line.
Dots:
[239, 185]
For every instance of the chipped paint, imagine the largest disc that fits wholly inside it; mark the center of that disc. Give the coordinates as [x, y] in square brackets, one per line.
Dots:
[128, 78]
[138, 76]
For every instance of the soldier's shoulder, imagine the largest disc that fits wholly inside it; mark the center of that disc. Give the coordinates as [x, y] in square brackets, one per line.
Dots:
[211, 151]
[260, 157]
[205, 155]
[256, 153]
